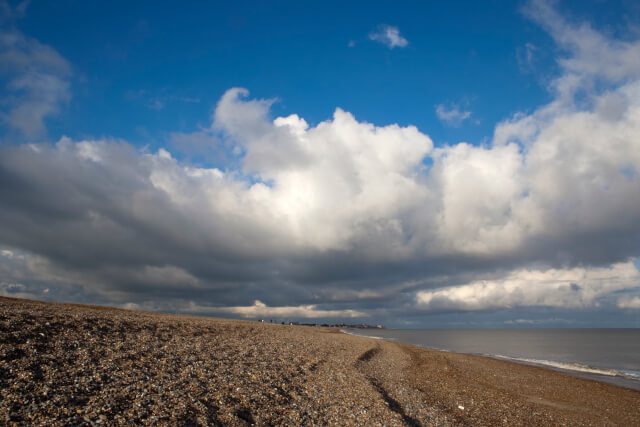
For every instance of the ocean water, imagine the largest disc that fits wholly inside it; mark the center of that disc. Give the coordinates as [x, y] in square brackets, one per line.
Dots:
[610, 355]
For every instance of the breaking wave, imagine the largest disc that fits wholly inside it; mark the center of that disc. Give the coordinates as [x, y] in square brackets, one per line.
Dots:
[576, 367]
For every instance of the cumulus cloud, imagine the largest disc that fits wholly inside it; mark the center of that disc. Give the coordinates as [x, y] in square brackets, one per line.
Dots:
[567, 288]
[313, 189]
[302, 196]
[452, 116]
[389, 36]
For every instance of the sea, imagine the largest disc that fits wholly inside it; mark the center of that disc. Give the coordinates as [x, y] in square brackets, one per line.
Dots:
[609, 355]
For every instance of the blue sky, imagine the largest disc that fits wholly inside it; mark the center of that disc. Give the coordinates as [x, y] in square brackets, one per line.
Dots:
[160, 69]
[413, 163]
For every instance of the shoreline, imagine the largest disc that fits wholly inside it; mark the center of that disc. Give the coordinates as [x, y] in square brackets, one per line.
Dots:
[90, 364]
[617, 378]
[609, 376]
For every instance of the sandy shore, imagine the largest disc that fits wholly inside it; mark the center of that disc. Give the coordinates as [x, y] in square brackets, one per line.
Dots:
[62, 363]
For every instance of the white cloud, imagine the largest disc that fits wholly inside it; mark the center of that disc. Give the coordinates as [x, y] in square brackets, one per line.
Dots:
[261, 310]
[452, 116]
[526, 56]
[38, 83]
[329, 182]
[591, 54]
[566, 288]
[479, 194]
[389, 36]
[629, 302]
[552, 320]
[6, 253]
[131, 306]
[520, 322]
[8, 13]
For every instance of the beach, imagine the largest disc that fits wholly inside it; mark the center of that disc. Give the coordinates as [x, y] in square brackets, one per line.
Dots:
[89, 365]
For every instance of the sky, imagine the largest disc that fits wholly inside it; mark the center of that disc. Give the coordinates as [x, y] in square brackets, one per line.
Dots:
[415, 164]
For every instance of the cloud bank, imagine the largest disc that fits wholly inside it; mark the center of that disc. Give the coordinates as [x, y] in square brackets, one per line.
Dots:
[344, 218]
[260, 310]
[550, 288]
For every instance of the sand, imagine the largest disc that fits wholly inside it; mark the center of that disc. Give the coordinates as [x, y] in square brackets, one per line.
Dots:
[86, 365]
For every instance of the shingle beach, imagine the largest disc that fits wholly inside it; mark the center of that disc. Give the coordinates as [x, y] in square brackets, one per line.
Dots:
[86, 365]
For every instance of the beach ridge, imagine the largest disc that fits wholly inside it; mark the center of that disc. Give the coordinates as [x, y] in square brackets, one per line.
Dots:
[87, 365]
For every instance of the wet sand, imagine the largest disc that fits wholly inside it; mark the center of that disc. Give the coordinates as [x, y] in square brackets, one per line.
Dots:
[85, 365]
